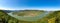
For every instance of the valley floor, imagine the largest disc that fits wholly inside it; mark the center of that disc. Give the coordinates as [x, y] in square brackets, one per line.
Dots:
[53, 17]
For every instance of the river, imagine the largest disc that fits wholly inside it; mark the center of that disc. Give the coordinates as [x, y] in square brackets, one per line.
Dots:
[30, 18]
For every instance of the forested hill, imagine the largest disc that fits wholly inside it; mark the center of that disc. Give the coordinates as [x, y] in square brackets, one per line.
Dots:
[8, 11]
[2, 12]
[4, 17]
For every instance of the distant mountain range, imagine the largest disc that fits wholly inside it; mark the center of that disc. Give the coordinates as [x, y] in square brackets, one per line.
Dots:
[8, 11]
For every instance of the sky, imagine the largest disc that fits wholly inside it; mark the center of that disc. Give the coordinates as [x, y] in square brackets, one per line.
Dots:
[30, 4]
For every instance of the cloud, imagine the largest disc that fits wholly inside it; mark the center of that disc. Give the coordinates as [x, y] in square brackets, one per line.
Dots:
[31, 8]
[3, 8]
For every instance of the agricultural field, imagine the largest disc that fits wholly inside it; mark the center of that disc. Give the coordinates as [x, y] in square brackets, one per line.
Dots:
[51, 17]
[28, 12]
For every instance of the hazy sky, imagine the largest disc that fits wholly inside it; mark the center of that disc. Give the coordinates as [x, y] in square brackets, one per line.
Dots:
[29, 4]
